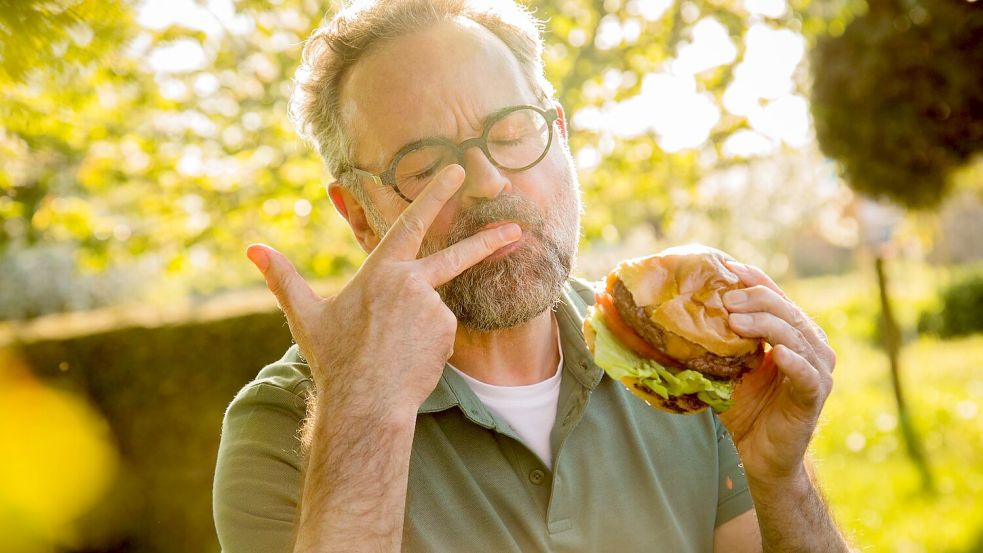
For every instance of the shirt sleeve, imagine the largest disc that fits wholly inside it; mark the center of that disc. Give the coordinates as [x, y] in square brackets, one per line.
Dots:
[733, 496]
[258, 471]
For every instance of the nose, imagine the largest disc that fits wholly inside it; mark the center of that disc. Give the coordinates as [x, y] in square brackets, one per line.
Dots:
[482, 179]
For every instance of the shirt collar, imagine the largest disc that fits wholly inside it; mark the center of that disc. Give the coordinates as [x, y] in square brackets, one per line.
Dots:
[452, 391]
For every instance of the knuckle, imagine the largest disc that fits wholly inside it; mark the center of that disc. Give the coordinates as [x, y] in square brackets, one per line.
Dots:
[825, 339]
[824, 386]
[405, 285]
[760, 291]
[489, 241]
[799, 339]
[448, 317]
[453, 259]
[413, 224]
[798, 335]
[798, 319]
[279, 286]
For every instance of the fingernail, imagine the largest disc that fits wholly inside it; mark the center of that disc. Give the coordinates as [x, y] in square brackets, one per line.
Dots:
[258, 255]
[735, 298]
[451, 173]
[511, 231]
[740, 319]
[736, 265]
[781, 353]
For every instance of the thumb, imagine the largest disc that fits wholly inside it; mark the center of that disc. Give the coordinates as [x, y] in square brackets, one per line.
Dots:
[290, 289]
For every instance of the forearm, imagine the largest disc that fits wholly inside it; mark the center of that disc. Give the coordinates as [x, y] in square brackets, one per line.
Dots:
[793, 516]
[354, 494]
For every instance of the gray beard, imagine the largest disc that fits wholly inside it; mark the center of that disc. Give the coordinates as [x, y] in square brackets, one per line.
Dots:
[504, 293]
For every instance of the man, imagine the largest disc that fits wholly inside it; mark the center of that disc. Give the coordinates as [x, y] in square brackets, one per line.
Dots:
[444, 399]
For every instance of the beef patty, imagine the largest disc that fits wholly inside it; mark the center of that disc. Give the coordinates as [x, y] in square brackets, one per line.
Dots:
[724, 368]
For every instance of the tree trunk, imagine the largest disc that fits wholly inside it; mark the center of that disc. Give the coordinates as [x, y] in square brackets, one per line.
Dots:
[891, 337]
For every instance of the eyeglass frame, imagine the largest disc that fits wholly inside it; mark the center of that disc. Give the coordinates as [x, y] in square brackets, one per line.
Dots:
[388, 177]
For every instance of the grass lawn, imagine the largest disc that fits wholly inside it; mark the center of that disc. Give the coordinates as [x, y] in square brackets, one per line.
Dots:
[874, 489]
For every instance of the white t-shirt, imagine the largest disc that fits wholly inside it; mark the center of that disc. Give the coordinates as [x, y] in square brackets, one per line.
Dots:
[530, 410]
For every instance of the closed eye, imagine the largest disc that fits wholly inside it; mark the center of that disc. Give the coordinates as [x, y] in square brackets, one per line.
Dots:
[428, 172]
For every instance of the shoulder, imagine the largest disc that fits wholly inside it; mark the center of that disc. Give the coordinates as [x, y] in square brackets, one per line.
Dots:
[262, 413]
[290, 373]
[583, 288]
[259, 463]
[581, 294]
[287, 381]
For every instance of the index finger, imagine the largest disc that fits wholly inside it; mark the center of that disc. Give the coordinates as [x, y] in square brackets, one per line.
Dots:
[406, 235]
[446, 264]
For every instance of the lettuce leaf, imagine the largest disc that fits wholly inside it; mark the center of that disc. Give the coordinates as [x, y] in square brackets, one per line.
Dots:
[618, 361]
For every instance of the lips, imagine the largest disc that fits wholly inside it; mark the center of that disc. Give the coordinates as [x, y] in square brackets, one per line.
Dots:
[492, 213]
[508, 248]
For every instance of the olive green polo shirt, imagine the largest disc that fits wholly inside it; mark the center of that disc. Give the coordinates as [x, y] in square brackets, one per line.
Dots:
[625, 477]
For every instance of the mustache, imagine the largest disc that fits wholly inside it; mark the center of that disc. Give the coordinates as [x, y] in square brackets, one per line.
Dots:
[503, 208]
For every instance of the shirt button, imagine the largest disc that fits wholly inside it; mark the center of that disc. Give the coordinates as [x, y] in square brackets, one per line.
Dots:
[537, 476]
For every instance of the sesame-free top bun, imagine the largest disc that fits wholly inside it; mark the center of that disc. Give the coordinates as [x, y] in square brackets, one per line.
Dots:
[680, 290]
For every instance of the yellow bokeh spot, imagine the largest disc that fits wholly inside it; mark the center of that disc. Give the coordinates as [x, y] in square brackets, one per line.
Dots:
[56, 461]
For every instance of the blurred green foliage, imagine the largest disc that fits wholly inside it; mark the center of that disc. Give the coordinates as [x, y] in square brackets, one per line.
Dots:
[161, 175]
[960, 312]
[57, 35]
[894, 102]
[164, 174]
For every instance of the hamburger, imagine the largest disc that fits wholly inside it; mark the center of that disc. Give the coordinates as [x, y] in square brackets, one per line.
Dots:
[659, 327]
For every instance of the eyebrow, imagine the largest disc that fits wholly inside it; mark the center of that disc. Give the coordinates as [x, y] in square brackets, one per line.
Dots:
[484, 125]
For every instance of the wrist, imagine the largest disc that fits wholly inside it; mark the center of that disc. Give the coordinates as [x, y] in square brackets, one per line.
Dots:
[792, 514]
[788, 485]
[382, 415]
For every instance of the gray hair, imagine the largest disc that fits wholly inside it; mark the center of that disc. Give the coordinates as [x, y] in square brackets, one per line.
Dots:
[335, 46]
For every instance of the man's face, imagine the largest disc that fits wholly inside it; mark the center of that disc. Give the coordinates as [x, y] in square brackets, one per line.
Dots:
[443, 82]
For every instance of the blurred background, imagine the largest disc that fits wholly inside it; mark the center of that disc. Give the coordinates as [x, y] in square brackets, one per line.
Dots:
[144, 144]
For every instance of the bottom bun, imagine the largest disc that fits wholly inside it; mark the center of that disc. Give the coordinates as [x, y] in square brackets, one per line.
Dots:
[685, 404]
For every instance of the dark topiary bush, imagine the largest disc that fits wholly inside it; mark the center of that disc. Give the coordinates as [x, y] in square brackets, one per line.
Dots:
[961, 310]
[894, 100]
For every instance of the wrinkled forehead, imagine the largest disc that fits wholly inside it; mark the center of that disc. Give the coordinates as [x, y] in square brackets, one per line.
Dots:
[441, 81]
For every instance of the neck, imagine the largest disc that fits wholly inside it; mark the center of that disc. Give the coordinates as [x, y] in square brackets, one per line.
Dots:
[525, 354]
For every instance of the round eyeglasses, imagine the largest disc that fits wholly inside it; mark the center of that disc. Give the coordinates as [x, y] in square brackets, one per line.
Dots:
[515, 139]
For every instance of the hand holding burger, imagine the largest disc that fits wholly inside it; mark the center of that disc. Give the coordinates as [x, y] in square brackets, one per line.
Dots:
[660, 327]
[693, 335]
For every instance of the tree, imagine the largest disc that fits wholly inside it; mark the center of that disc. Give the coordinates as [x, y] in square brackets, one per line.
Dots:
[145, 156]
[898, 98]
[147, 174]
[898, 101]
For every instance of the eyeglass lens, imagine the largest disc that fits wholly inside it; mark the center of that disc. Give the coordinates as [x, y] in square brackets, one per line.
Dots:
[515, 142]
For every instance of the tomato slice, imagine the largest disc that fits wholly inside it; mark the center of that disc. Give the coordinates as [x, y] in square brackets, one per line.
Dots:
[628, 337]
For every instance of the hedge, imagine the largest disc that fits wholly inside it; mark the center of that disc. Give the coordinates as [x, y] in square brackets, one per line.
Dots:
[163, 391]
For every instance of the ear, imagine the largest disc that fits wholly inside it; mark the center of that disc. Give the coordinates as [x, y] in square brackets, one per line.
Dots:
[349, 207]
[561, 120]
